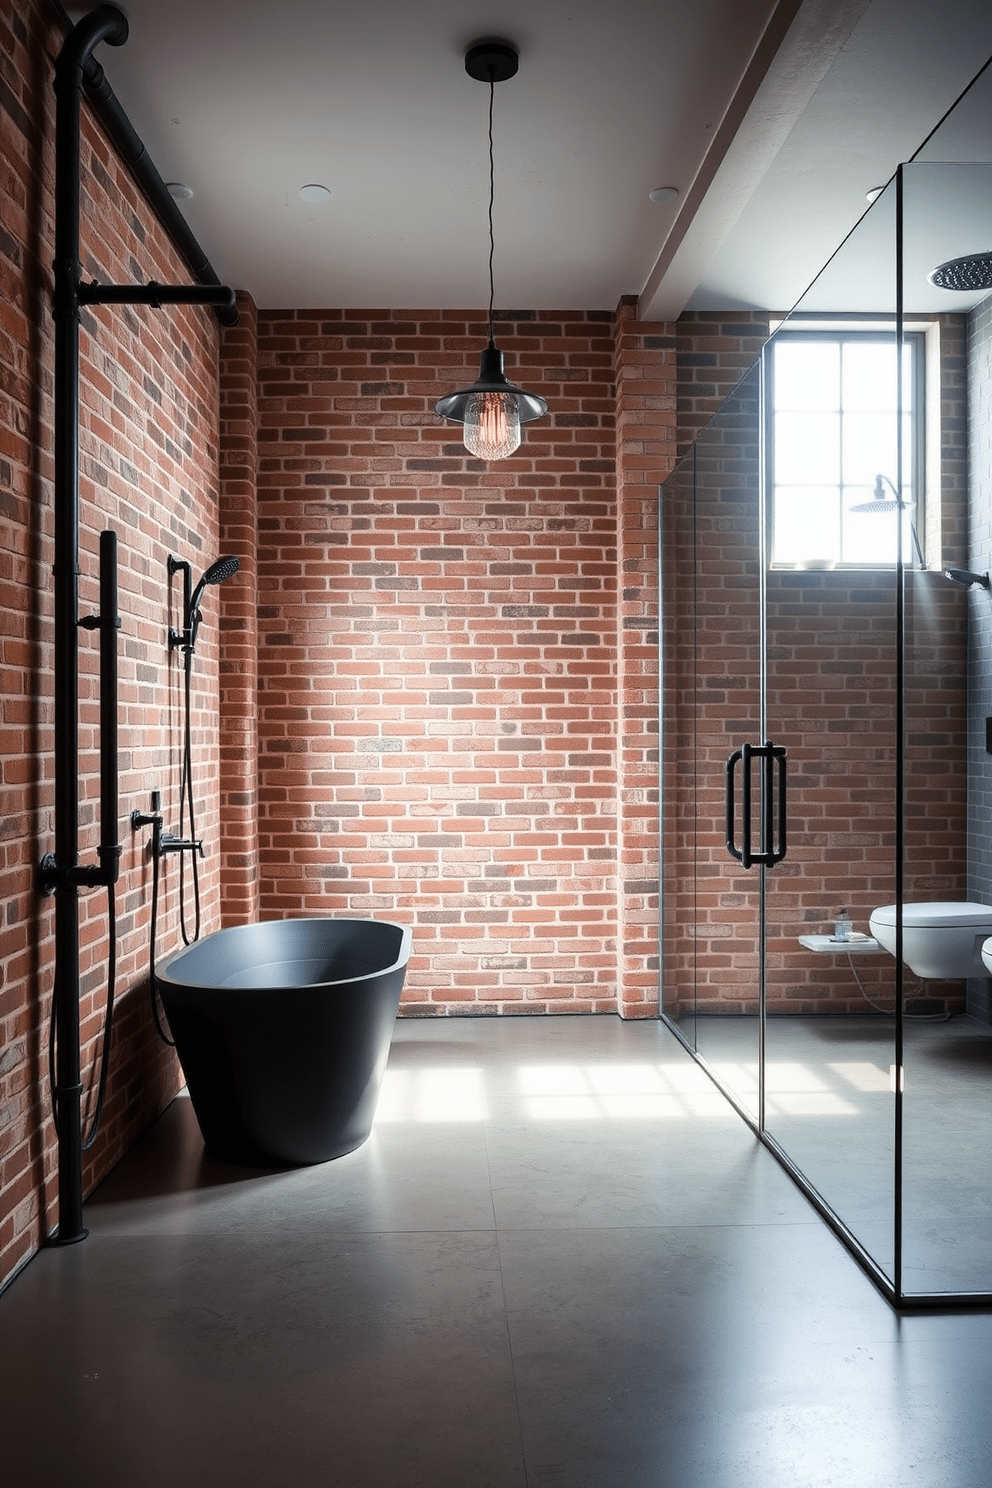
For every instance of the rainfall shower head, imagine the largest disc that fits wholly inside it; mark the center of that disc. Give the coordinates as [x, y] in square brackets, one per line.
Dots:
[880, 505]
[973, 271]
[879, 508]
[966, 578]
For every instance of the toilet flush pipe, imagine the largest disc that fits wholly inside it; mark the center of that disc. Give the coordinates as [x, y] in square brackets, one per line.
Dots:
[62, 872]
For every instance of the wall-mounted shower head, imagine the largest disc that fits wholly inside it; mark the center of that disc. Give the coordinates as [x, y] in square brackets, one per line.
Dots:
[966, 578]
[972, 272]
[222, 569]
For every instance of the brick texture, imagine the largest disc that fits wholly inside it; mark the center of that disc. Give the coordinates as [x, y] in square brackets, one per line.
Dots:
[438, 651]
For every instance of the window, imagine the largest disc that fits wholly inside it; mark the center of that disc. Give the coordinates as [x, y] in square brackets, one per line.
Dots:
[831, 402]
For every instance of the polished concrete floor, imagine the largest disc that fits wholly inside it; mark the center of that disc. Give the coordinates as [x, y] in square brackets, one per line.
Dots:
[829, 1099]
[560, 1261]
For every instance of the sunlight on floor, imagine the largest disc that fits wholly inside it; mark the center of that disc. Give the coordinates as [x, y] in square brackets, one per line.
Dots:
[595, 1092]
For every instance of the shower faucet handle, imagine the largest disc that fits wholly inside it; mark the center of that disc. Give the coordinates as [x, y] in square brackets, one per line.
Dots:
[169, 842]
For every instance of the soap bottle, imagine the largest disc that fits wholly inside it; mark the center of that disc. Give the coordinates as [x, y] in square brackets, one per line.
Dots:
[842, 925]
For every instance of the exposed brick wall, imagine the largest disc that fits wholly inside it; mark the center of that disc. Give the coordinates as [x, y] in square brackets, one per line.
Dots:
[149, 420]
[715, 350]
[831, 699]
[239, 618]
[645, 396]
[438, 654]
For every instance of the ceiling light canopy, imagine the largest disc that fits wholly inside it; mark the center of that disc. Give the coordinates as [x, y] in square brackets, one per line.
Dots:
[492, 409]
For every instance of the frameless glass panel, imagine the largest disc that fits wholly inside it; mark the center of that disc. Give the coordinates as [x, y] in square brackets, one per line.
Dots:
[726, 711]
[947, 802]
[679, 669]
[830, 699]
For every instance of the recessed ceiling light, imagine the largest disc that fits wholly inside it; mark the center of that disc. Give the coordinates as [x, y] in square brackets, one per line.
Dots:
[662, 194]
[179, 191]
[314, 193]
[874, 193]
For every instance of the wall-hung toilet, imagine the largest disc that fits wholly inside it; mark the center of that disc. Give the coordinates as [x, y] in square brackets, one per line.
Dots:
[939, 940]
[987, 956]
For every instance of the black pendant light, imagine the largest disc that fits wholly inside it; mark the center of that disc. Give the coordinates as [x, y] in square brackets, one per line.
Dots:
[492, 409]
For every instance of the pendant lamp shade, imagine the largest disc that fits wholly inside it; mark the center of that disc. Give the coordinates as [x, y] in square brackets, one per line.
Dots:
[492, 409]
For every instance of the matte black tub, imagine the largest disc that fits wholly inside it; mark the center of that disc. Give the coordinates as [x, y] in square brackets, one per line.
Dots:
[283, 1029]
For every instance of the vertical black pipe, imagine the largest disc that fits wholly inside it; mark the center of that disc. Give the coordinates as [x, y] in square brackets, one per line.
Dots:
[104, 24]
[110, 847]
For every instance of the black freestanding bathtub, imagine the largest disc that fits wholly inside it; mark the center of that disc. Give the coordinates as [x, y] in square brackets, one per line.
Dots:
[283, 1029]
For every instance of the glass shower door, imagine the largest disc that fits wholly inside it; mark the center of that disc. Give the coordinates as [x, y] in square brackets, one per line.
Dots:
[712, 665]
[837, 466]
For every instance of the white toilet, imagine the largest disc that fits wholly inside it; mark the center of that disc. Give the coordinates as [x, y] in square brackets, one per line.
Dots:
[944, 939]
[987, 956]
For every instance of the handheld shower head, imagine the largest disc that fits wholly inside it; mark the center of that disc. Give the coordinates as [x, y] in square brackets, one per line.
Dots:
[223, 568]
[967, 579]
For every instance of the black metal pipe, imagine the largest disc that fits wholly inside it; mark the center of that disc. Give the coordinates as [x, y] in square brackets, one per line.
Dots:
[154, 294]
[129, 146]
[109, 850]
[104, 24]
[75, 70]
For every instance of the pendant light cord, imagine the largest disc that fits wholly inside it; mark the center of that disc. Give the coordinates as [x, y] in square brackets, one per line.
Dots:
[492, 198]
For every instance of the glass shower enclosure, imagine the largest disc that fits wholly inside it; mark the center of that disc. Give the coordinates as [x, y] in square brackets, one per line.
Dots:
[824, 705]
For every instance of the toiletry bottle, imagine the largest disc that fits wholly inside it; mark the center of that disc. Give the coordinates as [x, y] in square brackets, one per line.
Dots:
[842, 925]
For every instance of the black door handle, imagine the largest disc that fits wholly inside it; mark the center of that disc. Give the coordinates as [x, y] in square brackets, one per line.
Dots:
[772, 843]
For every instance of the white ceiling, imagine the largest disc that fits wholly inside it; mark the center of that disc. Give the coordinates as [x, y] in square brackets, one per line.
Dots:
[772, 117]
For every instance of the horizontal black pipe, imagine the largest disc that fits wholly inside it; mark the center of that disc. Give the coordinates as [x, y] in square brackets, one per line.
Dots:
[121, 132]
[156, 294]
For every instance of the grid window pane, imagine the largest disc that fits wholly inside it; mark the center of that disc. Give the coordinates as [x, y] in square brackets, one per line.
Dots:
[832, 448]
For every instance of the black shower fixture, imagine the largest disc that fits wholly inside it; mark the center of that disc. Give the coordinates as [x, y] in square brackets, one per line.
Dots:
[967, 579]
[970, 273]
[223, 568]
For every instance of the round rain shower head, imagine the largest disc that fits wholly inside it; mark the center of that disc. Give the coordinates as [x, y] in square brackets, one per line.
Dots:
[973, 272]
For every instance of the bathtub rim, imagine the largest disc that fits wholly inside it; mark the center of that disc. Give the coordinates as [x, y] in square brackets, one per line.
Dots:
[164, 966]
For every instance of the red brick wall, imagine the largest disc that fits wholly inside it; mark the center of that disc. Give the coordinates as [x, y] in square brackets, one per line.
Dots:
[645, 382]
[438, 652]
[239, 618]
[149, 470]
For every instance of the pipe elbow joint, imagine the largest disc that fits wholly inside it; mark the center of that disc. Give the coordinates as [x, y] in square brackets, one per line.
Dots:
[106, 23]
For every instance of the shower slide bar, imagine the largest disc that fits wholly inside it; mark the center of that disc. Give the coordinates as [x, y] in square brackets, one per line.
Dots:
[76, 71]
